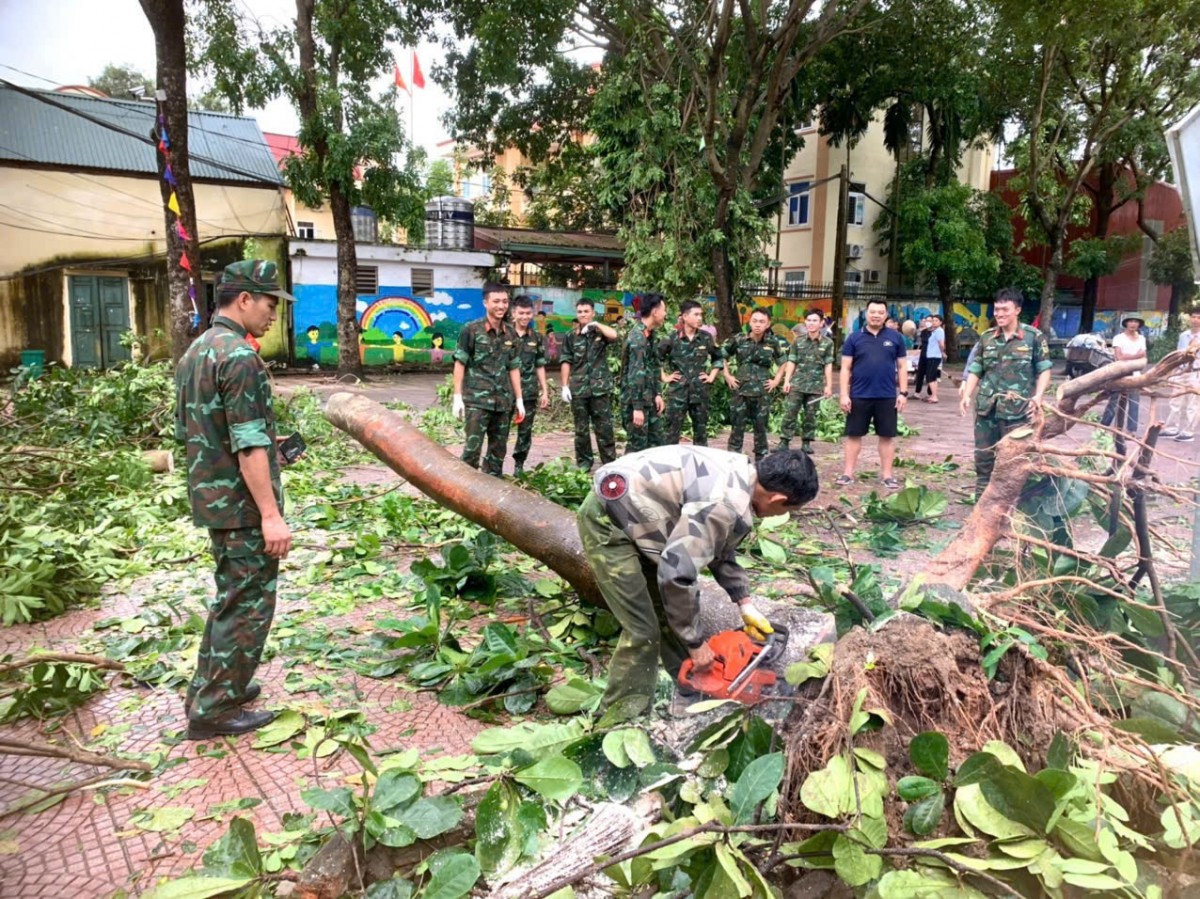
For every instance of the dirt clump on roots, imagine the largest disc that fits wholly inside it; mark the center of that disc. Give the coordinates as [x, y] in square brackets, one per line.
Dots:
[921, 679]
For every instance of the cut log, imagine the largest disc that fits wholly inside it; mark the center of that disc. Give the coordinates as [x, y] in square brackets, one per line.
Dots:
[534, 525]
[160, 461]
[612, 828]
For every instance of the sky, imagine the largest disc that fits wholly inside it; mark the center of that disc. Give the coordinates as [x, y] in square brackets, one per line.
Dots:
[47, 43]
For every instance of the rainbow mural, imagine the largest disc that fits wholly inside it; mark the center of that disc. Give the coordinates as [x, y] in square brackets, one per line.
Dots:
[392, 314]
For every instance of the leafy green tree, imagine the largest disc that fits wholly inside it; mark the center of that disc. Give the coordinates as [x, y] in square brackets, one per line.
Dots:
[688, 115]
[1171, 263]
[1096, 77]
[351, 138]
[439, 179]
[118, 81]
[495, 210]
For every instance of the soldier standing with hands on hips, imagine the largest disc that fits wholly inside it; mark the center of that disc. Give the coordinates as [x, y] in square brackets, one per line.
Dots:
[686, 354]
[756, 355]
[641, 384]
[588, 385]
[807, 379]
[487, 377]
[225, 416]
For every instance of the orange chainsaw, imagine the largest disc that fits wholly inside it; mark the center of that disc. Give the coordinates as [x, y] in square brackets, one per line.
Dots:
[739, 671]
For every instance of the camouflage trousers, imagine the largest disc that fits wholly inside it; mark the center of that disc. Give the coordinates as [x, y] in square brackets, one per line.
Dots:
[988, 432]
[524, 437]
[238, 622]
[648, 435]
[495, 425]
[629, 583]
[803, 406]
[679, 411]
[755, 410]
[593, 413]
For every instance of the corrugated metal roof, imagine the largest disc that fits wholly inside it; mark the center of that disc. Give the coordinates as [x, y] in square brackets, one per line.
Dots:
[70, 130]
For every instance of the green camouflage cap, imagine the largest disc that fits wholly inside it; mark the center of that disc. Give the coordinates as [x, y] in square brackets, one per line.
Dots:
[255, 276]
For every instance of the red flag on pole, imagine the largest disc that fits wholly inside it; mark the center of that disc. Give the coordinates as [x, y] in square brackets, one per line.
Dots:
[418, 75]
[400, 79]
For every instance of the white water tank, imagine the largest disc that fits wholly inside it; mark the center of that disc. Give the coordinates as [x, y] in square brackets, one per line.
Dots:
[450, 224]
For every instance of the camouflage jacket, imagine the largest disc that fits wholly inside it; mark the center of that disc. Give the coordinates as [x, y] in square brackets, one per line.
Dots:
[640, 379]
[687, 508]
[810, 358]
[222, 406]
[692, 358]
[1008, 371]
[588, 356]
[488, 356]
[531, 353]
[755, 361]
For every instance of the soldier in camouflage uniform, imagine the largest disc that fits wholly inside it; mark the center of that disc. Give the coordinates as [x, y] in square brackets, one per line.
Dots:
[693, 360]
[807, 378]
[588, 384]
[225, 417]
[755, 354]
[1011, 371]
[641, 378]
[531, 353]
[653, 521]
[487, 377]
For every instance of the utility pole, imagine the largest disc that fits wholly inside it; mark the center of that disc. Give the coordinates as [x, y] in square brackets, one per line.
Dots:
[839, 259]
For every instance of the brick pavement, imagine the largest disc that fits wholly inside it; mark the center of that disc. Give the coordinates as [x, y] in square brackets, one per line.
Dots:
[88, 845]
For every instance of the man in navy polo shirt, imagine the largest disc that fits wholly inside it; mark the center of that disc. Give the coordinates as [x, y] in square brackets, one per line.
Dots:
[873, 362]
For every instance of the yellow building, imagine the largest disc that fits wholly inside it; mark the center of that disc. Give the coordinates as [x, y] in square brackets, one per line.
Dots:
[82, 245]
[804, 244]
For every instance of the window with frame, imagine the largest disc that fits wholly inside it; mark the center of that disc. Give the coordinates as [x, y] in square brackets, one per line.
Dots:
[366, 279]
[306, 231]
[856, 207]
[366, 224]
[798, 195]
[793, 283]
[422, 282]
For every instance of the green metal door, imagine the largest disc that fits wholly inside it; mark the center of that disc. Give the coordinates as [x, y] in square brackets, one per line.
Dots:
[99, 316]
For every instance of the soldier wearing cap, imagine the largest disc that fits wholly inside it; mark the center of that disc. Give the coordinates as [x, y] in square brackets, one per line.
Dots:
[1011, 372]
[225, 416]
[653, 521]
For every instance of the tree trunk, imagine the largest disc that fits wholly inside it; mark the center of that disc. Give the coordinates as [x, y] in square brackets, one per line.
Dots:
[1104, 204]
[166, 18]
[533, 525]
[349, 354]
[728, 322]
[1052, 270]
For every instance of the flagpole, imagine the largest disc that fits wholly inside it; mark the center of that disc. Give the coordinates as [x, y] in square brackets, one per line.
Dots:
[412, 130]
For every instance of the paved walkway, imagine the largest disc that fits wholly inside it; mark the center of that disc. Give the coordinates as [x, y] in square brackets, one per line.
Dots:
[91, 844]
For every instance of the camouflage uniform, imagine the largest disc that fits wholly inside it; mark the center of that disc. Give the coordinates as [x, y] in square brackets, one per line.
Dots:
[688, 397]
[652, 522]
[531, 354]
[223, 406]
[1008, 371]
[591, 394]
[808, 386]
[487, 356]
[641, 385]
[752, 402]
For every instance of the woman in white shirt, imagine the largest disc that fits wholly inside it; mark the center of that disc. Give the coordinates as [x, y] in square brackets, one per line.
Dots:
[1130, 344]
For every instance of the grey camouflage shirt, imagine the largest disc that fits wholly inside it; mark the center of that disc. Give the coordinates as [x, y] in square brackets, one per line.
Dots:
[689, 508]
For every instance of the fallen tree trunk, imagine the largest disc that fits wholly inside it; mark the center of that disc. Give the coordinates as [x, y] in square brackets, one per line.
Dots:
[536, 526]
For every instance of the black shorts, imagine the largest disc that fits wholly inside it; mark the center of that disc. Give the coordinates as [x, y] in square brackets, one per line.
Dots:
[863, 412]
[933, 368]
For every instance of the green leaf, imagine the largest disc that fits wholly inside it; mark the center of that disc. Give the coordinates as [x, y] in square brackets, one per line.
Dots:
[751, 743]
[339, 801]
[396, 888]
[730, 868]
[556, 778]
[235, 854]
[573, 696]
[431, 817]
[930, 754]
[853, 864]
[1094, 881]
[1174, 835]
[395, 789]
[161, 820]
[614, 748]
[638, 748]
[536, 739]
[198, 886]
[283, 728]
[454, 874]
[924, 817]
[924, 883]
[758, 781]
[975, 812]
[976, 767]
[829, 791]
[1019, 797]
[497, 835]
[772, 552]
[914, 789]
[1061, 752]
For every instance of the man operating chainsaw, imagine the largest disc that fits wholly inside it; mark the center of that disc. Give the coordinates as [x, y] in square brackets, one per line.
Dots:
[653, 521]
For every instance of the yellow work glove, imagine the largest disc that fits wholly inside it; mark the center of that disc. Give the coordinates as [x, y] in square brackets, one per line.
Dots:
[757, 626]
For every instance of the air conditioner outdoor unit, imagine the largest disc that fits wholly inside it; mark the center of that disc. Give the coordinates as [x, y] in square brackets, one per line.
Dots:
[854, 251]
[873, 276]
